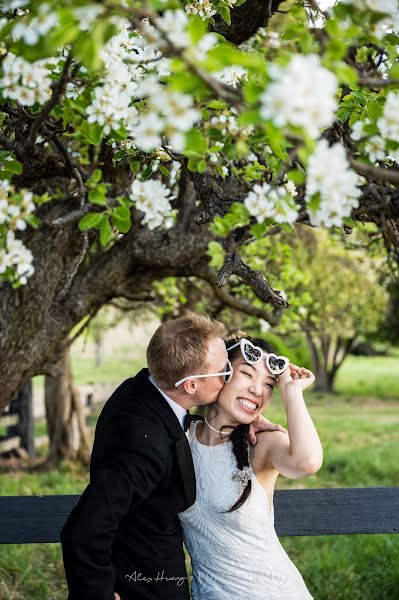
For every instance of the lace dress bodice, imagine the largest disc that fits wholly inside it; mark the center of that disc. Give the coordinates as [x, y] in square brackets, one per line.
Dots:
[237, 555]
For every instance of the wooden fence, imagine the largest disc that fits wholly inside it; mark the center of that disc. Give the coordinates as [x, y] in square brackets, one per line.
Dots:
[337, 511]
[19, 423]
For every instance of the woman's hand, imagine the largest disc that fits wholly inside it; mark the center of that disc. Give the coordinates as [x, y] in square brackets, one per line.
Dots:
[295, 378]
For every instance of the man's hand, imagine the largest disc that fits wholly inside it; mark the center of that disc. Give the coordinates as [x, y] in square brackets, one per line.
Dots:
[262, 424]
[117, 596]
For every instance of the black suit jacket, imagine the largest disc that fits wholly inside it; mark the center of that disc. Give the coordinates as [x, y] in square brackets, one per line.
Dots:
[124, 534]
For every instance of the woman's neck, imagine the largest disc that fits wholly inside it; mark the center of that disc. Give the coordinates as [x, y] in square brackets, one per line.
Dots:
[207, 434]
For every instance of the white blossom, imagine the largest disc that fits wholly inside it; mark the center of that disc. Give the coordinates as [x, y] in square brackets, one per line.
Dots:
[231, 75]
[303, 94]
[147, 134]
[16, 256]
[203, 8]
[264, 326]
[38, 27]
[173, 23]
[268, 202]
[357, 130]
[329, 174]
[152, 198]
[375, 148]
[87, 15]
[389, 122]
[27, 83]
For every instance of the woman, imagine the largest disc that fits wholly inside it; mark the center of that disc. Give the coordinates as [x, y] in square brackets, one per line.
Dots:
[229, 531]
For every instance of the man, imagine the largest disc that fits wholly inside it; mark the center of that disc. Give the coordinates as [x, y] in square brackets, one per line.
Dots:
[123, 538]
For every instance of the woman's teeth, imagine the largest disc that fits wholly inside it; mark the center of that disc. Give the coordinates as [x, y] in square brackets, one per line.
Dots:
[247, 404]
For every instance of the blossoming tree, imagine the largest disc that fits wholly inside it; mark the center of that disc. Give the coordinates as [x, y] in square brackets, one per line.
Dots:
[140, 139]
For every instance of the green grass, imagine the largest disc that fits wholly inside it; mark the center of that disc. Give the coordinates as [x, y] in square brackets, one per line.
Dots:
[358, 428]
[375, 376]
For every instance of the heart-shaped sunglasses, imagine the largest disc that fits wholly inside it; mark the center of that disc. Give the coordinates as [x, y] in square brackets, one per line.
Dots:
[253, 354]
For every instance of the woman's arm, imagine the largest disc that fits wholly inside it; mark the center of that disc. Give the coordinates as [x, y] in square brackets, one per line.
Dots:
[300, 453]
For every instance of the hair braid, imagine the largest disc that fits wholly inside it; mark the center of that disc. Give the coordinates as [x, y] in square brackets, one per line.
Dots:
[239, 438]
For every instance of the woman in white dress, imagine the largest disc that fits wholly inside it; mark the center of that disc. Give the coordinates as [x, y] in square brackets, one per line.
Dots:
[229, 530]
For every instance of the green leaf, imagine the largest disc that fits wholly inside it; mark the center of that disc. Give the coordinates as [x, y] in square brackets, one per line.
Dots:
[146, 174]
[89, 43]
[122, 212]
[33, 221]
[92, 132]
[105, 231]
[12, 166]
[135, 166]
[164, 171]
[201, 166]
[92, 219]
[225, 14]
[97, 197]
[297, 176]
[220, 227]
[217, 104]
[196, 142]
[345, 74]
[122, 225]
[258, 230]
[393, 72]
[96, 176]
[336, 49]
[216, 252]
[374, 109]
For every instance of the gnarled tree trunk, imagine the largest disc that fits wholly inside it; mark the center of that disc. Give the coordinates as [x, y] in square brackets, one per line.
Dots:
[69, 437]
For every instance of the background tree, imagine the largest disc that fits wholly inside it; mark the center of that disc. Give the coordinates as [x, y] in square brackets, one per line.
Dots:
[134, 144]
[341, 302]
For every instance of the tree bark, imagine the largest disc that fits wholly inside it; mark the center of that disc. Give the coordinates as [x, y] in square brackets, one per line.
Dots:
[68, 434]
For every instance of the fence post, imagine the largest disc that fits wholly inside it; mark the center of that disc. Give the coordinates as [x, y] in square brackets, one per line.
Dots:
[23, 407]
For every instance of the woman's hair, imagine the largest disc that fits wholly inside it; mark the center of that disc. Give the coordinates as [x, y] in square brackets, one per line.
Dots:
[180, 347]
[239, 437]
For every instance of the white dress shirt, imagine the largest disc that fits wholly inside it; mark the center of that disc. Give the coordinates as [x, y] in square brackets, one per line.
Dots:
[179, 411]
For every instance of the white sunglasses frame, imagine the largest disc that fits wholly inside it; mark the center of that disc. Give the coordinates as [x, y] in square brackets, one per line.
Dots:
[242, 343]
[229, 373]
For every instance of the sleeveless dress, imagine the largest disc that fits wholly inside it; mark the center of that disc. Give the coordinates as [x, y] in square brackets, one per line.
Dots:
[237, 555]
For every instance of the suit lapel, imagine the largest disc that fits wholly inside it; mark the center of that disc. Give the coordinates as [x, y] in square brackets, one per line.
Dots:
[155, 401]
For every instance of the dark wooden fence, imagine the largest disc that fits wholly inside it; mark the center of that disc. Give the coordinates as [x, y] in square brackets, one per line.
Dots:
[19, 424]
[338, 511]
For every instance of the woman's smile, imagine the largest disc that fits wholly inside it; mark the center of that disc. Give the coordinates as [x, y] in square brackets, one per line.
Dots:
[249, 406]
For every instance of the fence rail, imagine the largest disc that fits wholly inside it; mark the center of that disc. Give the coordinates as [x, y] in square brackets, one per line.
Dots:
[337, 511]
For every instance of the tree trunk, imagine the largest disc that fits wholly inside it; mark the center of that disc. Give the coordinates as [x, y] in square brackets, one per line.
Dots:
[68, 434]
[98, 352]
[325, 364]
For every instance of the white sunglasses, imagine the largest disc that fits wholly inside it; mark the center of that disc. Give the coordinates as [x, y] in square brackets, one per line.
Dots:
[253, 354]
[227, 374]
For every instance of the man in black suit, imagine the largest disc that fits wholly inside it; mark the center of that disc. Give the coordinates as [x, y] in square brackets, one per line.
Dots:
[123, 538]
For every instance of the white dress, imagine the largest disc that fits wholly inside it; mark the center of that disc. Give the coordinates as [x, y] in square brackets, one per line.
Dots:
[237, 555]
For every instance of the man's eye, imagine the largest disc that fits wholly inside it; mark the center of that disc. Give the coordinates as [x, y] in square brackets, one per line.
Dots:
[246, 373]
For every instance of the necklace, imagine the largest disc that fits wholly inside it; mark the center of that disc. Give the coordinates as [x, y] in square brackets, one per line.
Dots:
[217, 430]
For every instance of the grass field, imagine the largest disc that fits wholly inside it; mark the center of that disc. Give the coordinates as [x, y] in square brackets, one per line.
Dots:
[359, 431]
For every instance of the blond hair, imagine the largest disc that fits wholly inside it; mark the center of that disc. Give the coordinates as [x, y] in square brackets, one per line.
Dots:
[179, 348]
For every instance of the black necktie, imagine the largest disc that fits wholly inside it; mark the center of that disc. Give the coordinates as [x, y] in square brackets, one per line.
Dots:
[189, 418]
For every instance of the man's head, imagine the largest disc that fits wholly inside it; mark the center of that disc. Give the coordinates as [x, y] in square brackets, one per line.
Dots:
[187, 346]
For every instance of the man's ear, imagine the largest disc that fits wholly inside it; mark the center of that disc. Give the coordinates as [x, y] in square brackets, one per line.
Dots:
[190, 386]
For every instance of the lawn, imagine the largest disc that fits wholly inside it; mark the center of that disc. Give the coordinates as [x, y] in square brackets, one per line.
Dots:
[358, 428]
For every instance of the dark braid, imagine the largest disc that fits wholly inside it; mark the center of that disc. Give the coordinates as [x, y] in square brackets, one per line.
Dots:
[239, 438]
